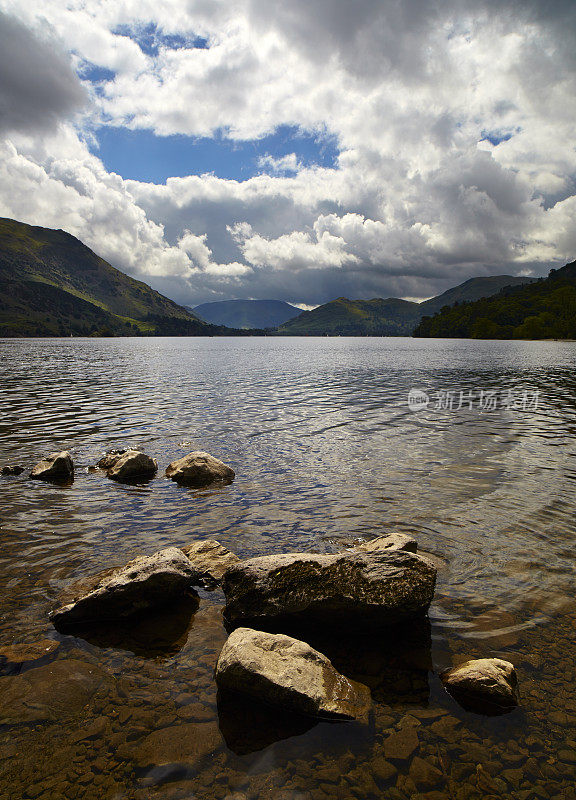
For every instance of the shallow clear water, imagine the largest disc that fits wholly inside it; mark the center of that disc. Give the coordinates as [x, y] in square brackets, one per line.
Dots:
[326, 452]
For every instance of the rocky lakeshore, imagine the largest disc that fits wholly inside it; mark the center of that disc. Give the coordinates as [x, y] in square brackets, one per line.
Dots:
[279, 610]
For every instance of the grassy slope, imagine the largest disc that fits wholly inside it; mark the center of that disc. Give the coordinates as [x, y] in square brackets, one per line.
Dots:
[545, 309]
[345, 317]
[390, 317]
[473, 289]
[52, 285]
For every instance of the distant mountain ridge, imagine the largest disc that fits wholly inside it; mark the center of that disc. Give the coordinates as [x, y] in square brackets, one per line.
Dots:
[391, 316]
[246, 314]
[543, 309]
[53, 285]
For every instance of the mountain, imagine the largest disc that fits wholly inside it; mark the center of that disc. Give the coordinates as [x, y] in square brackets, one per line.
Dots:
[53, 285]
[343, 317]
[247, 313]
[544, 309]
[473, 289]
[390, 317]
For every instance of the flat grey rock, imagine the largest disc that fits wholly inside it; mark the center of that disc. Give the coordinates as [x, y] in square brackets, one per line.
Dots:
[131, 465]
[199, 469]
[360, 589]
[391, 541]
[145, 583]
[286, 672]
[492, 681]
[55, 467]
[209, 560]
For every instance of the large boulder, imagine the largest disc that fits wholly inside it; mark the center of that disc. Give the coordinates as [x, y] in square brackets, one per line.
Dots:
[143, 584]
[199, 469]
[488, 684]
[131, 465]
[55, 467]
[391, 541]
[289, 673]
[359, 589]
[210, 560]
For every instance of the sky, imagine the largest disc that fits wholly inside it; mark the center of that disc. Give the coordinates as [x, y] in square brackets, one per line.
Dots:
[300, 150]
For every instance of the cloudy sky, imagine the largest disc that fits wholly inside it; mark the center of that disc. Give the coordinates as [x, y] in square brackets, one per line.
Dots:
[295, 149]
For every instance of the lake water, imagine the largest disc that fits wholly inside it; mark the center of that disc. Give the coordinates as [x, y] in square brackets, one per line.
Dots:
[326, 452]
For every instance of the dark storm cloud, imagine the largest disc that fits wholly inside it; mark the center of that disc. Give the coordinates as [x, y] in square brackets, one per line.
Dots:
[37, 84]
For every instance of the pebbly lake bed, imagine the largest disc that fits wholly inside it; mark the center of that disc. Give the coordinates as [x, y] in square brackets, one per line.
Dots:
[327, 452]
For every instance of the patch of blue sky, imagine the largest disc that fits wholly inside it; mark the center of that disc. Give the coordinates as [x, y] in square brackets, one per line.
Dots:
[150, 39]
[495, 137]
[143, 156]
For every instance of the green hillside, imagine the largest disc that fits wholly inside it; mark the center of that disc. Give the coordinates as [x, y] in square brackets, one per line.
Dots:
[545, 309]
[390, 317]
[470, 290]
[53, 285]
[343, 317]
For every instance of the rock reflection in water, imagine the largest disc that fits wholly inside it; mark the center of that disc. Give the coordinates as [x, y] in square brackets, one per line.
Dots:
[249, 725]
[163, 632]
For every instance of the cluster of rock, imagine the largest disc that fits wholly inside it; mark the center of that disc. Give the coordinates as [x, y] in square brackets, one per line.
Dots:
[370, 587]
[195, 469]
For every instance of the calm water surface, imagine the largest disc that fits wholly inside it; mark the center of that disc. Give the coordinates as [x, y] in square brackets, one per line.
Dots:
[326, 453]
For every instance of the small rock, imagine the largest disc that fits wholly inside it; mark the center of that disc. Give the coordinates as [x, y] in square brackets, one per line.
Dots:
[568, 756]
[392, 541]
[383, 769]
[210, 560]
[12, 469]
[199, 469]
[133, 464]
[365, 590]
[144, 583]
[93, 730]
[483, 684]
[513, 776]
[425, 775]
[400, 745]
[56, 466]
[289, 673]
[110, 459]
[196, 712]
[185, 743]
[445, 727]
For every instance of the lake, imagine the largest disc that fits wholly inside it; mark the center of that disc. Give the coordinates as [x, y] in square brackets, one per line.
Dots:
[327, 452]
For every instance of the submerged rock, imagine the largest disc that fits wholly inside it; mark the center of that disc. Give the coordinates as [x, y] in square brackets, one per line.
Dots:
[55, 691]
[483, 682]
[210, 560]
[110, 459]
[189, 743]
[12, 469]
[144, 583]
[289, 673]
[392, 541]
[15, 656]
[199, 469]
[359, 589]
[132, 464]
[56, 466]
